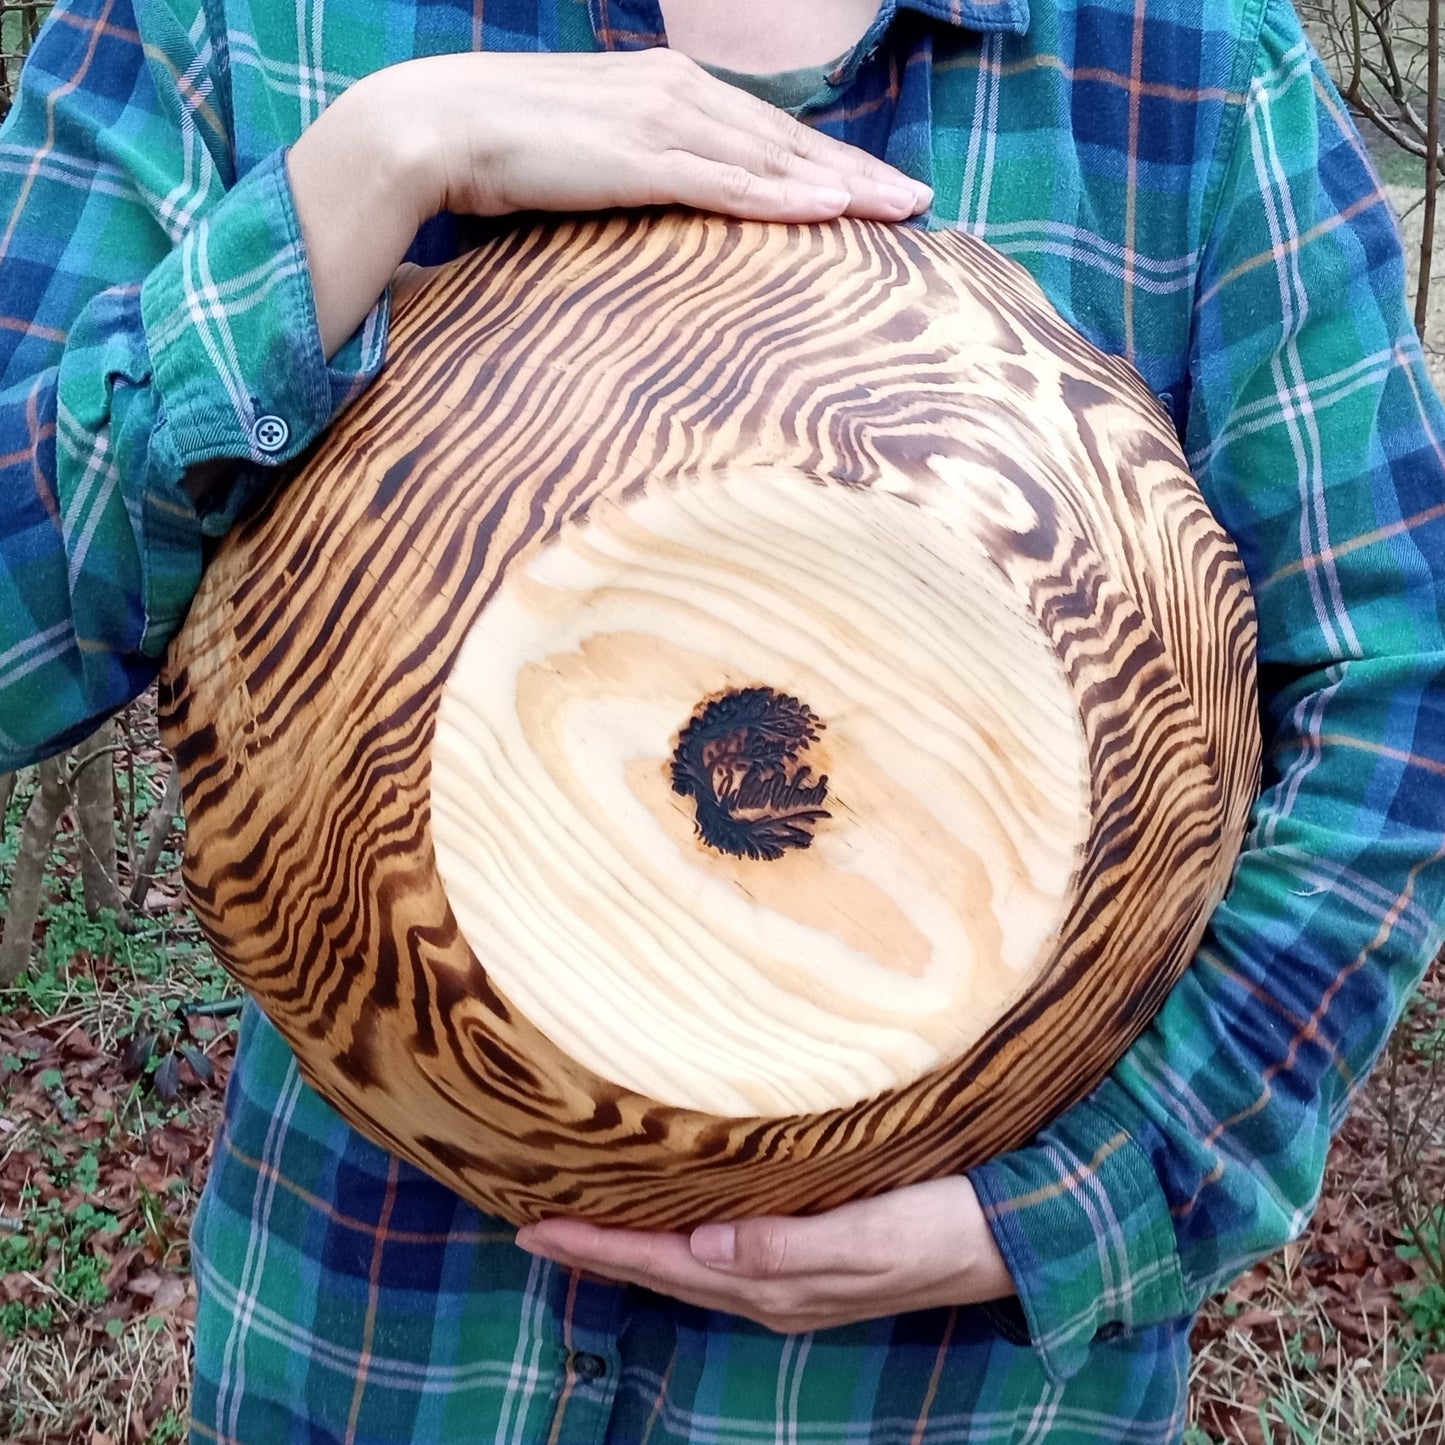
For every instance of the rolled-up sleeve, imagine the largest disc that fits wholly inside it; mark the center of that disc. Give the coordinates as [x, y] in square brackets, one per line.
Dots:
[157, 324]
[1319, 443]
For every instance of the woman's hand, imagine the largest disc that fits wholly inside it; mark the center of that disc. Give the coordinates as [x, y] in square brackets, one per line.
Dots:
[637, 128]
[917, 1248]
[488, 134]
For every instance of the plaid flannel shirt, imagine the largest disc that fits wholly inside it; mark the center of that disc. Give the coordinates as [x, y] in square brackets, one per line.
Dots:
[1181, 178]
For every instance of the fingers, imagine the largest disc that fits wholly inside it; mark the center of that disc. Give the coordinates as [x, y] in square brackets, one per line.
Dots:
[843, 1242]
[655, 1261]
[734, 190]
[664, 1263]
[723, 124]
[746, 177]
[774, 143]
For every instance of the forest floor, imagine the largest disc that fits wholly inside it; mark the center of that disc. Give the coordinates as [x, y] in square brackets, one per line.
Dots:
[110, 1096]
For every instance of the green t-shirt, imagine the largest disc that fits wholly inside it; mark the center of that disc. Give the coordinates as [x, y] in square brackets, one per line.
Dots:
[789, 90]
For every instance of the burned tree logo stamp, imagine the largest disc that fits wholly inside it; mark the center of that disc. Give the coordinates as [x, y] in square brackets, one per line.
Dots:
[741, 760]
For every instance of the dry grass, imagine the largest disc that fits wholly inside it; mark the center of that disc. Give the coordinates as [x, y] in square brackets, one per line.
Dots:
[127, 1388]
[1265, 1384]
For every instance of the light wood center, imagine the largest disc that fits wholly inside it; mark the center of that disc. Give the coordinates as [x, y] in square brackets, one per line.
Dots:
[913, 913]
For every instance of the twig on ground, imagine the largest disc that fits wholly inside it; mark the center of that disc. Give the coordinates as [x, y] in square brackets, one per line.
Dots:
[221, 1009]
[127, 812]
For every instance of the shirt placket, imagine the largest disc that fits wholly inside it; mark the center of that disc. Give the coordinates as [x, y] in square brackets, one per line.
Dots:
[591, 1318]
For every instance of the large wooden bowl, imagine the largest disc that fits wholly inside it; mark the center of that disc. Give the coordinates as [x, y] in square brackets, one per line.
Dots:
[737, 718]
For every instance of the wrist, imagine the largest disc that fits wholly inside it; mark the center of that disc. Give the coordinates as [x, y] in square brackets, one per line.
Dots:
[986, 1272]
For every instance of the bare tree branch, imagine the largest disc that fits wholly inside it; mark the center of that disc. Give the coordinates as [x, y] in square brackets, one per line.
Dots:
[94, 790]
[1378, 57]
[1432, 168]
[159, 827]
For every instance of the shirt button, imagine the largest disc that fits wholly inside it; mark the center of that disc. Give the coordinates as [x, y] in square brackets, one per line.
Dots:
[589, 1366]
[270, 434]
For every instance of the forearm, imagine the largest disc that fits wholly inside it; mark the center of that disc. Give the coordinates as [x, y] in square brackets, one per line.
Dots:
[363, 180]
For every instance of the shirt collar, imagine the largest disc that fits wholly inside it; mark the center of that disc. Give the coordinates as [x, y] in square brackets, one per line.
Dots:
[1009, 16]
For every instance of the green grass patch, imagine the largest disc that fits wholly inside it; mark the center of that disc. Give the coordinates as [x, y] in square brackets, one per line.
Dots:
[57, 1244]
[1399, 168]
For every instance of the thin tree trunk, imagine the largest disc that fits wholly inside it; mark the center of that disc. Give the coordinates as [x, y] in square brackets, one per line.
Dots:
[93, 782]
[127, 812]
[7, 787]
[1352, 90]
[36, 837]
[1432, 170]
[159, 827]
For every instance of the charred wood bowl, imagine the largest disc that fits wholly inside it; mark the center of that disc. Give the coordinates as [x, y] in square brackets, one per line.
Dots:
[736, 718]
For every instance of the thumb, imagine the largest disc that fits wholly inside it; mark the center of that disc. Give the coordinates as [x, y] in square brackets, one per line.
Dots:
[771, 1247]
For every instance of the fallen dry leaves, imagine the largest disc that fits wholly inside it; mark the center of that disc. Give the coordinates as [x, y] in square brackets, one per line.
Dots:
[115, 1173]
[1312, 1345]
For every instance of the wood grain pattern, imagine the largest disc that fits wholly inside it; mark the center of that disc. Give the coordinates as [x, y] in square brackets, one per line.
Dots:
[737, 718]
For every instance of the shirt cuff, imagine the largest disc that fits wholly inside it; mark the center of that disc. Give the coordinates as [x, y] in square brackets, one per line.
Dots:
[239, 374]
[1085, 1230]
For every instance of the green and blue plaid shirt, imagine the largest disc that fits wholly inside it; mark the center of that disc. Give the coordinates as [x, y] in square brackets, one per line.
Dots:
[1181, 178]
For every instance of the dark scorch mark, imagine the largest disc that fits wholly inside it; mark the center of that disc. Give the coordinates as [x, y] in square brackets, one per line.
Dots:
[739, 760]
